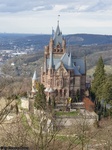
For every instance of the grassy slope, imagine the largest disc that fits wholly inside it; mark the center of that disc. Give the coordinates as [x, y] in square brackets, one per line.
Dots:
[108, 69]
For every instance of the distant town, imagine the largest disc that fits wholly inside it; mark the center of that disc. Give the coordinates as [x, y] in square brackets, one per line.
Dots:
[12, 45]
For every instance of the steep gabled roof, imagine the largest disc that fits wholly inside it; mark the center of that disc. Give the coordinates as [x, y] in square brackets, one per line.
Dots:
[78, 65]
[76, 71]
[58, 65]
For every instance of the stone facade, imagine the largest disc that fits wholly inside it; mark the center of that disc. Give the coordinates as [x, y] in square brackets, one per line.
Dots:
[62, 75]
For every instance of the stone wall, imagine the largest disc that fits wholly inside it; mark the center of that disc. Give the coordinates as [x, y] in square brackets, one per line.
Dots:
[25, 103]
[90, 119]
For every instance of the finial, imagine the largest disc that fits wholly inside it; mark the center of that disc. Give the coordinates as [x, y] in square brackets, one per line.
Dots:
[58, 19]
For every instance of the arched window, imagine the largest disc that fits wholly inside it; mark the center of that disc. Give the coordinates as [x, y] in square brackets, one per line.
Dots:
[71, 81]
[58, 50]
[65, 92]
[56, 92]
[61, 93]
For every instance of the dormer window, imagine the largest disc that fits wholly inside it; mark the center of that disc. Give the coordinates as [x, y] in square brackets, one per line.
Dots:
[58, 46]
[74, 63]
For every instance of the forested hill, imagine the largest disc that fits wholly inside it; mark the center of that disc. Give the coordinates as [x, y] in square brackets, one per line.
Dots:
[91, 46]
[8, 41]
[89, 39]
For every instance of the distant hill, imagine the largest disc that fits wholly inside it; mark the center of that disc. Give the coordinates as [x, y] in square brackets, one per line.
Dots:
[89, 39]
[81, 45]
[26, 64]
[8, 41]
[22, 41]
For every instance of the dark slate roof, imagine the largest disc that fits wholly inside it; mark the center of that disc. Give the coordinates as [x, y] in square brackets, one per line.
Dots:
[78, 65]
[57, 36]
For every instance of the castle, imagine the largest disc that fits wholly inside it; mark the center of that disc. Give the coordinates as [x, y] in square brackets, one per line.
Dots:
[62, 75]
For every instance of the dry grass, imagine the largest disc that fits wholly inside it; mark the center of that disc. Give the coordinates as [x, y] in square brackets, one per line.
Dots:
[108, 69]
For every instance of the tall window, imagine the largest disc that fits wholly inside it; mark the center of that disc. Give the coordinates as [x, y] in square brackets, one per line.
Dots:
[61, 93]
[56, 92]
[65, 92]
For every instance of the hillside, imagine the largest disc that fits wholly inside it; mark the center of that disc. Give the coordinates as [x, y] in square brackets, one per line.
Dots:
[108, 70]
[26, 64]
[81, 45]
[38, 41]
[92, 53]
[89, 39]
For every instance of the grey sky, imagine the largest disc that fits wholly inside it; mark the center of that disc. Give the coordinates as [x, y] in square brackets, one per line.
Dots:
[39, 16]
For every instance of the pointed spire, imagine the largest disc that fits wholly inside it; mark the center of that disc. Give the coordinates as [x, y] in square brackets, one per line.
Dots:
[34, 79]
[58, 17]
[58, 29]
[70, 60]
[34, 75]
[58, 36]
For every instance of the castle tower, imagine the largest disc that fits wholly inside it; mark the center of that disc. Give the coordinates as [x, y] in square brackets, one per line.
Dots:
[34, 80]
[31, 96]
[62, 74]
[51, 59]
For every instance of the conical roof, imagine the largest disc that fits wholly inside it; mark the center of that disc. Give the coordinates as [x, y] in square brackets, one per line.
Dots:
[58, 36]
[35, 75]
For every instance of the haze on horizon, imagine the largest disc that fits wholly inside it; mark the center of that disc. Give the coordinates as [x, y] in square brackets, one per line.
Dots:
[39, 16]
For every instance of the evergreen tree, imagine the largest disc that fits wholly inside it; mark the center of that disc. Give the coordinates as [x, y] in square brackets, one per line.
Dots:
[107, 89]
[99, 79]
[40, 98]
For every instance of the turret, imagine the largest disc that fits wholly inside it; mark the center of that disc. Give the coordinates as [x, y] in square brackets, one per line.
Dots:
[64, 44]
[34, 79]
[50, 45]
[51, 60]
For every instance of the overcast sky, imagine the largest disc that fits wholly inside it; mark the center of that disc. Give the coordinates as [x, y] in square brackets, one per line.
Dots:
[39, 16]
